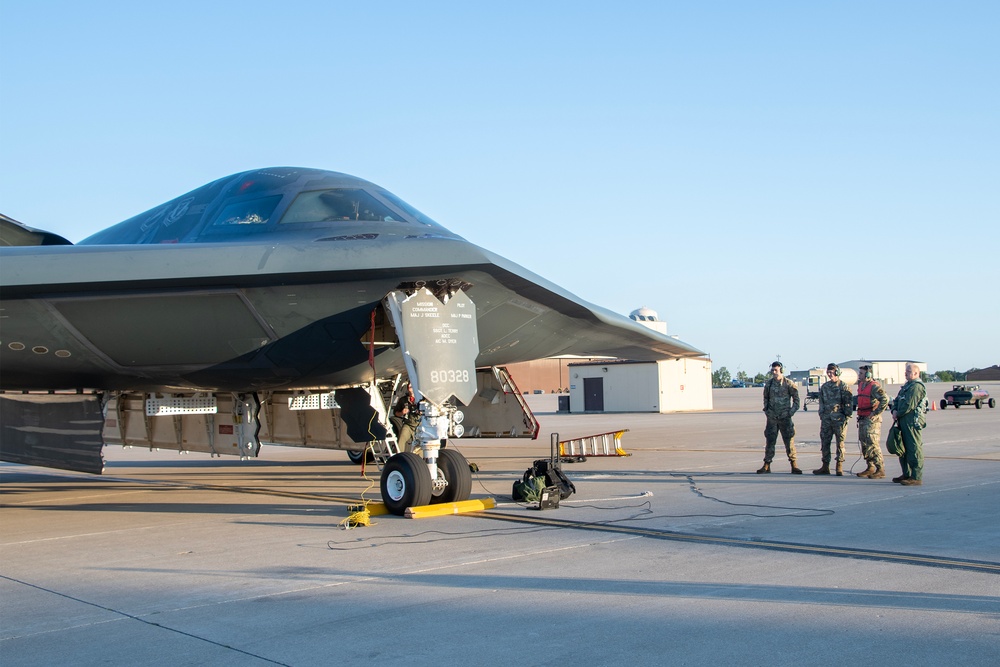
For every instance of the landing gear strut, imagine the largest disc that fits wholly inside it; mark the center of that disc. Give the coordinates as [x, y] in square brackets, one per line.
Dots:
[438, 336]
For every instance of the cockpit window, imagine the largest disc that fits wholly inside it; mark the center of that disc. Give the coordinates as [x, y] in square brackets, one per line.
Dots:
[409, 210]
[247, 212]
[340, 204]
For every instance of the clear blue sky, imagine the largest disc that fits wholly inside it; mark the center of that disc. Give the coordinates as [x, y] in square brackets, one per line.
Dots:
[819, 180]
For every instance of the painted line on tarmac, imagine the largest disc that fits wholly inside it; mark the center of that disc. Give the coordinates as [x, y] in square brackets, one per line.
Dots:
[791, 547]
[636, 496]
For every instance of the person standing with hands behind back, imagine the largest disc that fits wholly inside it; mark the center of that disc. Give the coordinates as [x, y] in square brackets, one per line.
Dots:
[908, 411]
[781, 401]
[836, 403]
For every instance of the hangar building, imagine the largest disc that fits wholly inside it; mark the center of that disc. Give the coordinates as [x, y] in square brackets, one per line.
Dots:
[886, 371]
[984, 374]
[641, 386]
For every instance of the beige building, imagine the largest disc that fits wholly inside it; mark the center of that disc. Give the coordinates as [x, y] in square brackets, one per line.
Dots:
[674, 385]
[886, 371]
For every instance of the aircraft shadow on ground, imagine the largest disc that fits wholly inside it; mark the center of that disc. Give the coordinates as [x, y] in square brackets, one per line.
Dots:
[153, 507]
[849, 597]
[798, 595]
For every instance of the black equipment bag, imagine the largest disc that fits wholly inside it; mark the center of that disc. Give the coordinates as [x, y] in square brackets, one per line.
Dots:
[543, 474]
[528, 489]
[554, 476]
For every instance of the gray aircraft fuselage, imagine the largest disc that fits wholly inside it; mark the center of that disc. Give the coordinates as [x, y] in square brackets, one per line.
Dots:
[272, 279]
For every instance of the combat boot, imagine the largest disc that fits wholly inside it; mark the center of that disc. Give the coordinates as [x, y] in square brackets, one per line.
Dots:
[899, 479]
[840, 469]
[764, 468]
[878, 474]
[868, 472]
[823, 470]
[795, 469]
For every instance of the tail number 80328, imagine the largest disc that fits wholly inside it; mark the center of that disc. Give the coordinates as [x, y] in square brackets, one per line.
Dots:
[449, 376]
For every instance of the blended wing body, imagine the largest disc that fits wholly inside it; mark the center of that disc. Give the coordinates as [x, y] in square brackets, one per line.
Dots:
[267, 307]
[269, 279]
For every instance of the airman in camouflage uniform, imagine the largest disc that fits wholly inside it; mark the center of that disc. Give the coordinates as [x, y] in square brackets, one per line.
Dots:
[404, 425]
[836, 404]
[872, 402]
[781, 401]
[908, 410]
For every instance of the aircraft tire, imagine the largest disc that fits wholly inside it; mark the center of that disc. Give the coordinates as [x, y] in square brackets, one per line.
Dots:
[455, 469]
[405, 482]
[358, 457]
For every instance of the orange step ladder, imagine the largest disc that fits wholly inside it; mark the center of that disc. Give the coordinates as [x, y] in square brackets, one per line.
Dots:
[601, 444]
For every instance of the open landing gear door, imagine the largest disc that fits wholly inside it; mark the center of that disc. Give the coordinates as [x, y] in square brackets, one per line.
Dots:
[440, 343]
[498, 409]
[52, 430]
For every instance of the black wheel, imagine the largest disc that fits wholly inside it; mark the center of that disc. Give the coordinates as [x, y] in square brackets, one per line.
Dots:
[993, 402]
[979, 404]
[358, 457]
[944, 404]
[956, 406]
[456, 472]
[405, 482]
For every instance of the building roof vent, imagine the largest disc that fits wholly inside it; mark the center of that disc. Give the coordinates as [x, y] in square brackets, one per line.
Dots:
[643, 315]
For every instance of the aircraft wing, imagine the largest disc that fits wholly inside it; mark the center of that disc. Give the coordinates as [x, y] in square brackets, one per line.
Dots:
[14, 233]
[544, 316]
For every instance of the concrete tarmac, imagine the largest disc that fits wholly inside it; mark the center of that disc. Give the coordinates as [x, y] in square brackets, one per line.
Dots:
[678, 554]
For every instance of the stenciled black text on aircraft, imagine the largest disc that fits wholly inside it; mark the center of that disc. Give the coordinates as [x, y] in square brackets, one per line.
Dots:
[246, 294]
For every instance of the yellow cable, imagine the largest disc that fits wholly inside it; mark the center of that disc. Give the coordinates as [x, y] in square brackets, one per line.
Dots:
[362, 517]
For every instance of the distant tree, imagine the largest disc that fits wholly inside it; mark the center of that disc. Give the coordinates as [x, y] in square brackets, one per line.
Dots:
[721, 377]
[742, 376]
[759, 378]
[945, 376]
